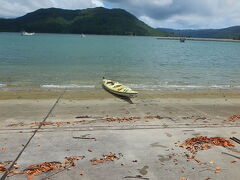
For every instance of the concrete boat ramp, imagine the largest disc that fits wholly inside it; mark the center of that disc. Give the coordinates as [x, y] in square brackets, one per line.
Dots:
[144, 137]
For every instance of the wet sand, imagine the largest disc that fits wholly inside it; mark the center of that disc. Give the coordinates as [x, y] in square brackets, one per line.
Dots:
[90, 94]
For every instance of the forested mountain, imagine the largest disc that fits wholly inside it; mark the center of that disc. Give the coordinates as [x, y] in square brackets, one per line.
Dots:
[87, 21]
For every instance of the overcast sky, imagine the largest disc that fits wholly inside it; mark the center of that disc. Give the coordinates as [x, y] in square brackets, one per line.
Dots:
[179, 14]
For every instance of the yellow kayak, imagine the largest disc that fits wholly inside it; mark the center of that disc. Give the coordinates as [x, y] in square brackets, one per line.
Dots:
[117, 88]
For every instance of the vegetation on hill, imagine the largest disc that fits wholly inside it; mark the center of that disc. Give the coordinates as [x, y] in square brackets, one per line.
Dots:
[226, 33]
[87, 21]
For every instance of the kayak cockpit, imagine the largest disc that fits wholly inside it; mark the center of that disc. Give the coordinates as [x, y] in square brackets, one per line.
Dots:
[117, 88]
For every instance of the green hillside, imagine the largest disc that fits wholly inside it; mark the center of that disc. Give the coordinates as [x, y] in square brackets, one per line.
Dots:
[87, 21]
[225, 33]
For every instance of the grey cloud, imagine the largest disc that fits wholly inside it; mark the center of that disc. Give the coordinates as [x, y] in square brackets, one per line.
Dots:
[183, 13]
[163, 10]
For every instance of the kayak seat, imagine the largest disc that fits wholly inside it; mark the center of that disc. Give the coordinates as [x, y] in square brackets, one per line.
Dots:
[119, 89]
[110, 82]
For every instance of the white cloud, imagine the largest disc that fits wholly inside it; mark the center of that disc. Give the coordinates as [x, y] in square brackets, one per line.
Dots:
[97, 3]
[15, 8]
[191, 22]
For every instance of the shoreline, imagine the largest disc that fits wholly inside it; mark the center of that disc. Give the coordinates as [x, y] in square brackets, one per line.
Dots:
[198, 39]
[91, 94]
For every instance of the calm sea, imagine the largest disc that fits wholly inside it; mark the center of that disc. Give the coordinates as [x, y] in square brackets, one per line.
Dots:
[59, 61]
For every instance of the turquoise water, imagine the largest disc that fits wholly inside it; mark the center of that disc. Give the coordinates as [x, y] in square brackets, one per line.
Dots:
[56, 60]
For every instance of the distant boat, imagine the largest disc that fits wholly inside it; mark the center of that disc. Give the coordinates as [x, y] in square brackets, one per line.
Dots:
[117, 88]
[182, 39]
[24, 33]
[82, 35]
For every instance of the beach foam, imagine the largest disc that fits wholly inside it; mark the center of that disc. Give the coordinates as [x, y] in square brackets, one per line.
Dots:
[142, 87]
[180, 87]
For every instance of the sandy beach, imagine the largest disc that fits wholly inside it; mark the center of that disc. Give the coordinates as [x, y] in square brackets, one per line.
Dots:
[144, 134]
[66, 65]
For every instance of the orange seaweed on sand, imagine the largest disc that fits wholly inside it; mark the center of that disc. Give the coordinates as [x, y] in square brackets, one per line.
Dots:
[153, 117]
[16, 124]
[70, 161]
[2, 168]
[105, 158]
[182, 178]
[35, 169]
[121, 119]
[47, 123]
[234, 117]
[203, 143]
[217, 169]
[58, 124]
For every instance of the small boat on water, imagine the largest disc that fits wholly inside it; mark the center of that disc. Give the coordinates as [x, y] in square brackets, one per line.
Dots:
[182, 39]
[24, 33]
[118, 89]
[82, 35]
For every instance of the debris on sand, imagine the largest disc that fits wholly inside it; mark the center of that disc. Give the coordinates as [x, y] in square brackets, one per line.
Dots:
[84, 137]
[203, 143]
[231, 155]
[235, 139]
[217, 169]
[58, 124]
[86, 116]
[136, 177]
[200, 118]
[70, 161]
[4, 148]
[16, 124]
[35, 169]
[121, 119]
[3, 167]
[63, 123]
[47, 123]
[182, 178]
[153, 117]
[193, 158]
[233, 118]
[105, 158]
[194, 117]
[134, 118]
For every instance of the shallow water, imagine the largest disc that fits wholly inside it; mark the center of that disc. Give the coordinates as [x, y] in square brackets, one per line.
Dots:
[59, 61]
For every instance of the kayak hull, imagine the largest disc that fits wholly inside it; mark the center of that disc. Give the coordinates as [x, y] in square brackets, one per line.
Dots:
[129, 93]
